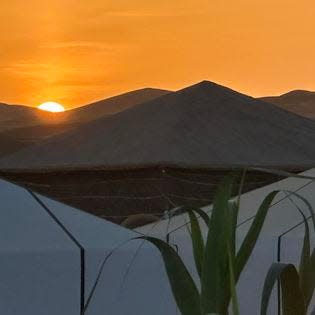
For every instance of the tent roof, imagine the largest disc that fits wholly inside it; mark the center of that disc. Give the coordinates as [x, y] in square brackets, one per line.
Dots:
[282, 215]
[26, 225]
[43, 270]
[281, 237]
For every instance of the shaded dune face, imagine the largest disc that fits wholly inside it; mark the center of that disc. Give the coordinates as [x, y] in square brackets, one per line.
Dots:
[299, 102]
[205, 125]
[18, 116]
[9, 145]
[114, 105]
[26, 125]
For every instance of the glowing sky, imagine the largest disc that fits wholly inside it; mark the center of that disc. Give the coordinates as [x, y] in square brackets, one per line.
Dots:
[77, 51]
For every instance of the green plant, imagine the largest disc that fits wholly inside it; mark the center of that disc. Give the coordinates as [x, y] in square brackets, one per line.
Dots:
[297, 287]
[218, 264]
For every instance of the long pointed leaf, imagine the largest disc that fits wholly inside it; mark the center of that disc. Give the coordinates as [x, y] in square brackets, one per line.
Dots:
[197, 242]
[235, 306]
[292, 296]
[234, 208]
[305, 268]
[306, 202]
[215, 286]
[99, 274]
[203, 215]
[253, 234]
[183, 286]
[312, 276]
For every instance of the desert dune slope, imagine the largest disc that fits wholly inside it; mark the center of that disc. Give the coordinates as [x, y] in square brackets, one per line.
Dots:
[27, 125]
[204, 125]
[18, 116]
[9, 145]
[113, 105]
[298, 101]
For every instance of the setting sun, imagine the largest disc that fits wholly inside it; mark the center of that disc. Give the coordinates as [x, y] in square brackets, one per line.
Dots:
[52, 107]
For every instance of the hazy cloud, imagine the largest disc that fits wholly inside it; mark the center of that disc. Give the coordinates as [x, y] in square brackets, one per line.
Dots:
[77, 44]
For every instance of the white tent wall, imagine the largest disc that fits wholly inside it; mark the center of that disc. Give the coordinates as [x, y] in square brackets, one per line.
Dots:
[282, 216]
[40, 265]
[40, 269]
[32, 256]
[133, 281]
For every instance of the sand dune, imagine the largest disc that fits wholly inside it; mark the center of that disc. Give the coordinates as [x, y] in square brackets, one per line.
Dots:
[113, 105]
[9, 145]
[26, 125]
[299, 102]
[17, 116]
[205, 125]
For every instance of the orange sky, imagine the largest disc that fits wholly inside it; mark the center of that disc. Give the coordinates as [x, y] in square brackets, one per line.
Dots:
[77, 51]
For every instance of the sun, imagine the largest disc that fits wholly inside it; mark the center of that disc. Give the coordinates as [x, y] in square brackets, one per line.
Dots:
[52, 107]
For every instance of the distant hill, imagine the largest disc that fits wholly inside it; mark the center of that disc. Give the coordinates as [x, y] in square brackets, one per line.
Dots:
[204, 125]
[27, 125]
[17, 116]
[37, 133]
[113, 105]
[298, 101]
[9, 145]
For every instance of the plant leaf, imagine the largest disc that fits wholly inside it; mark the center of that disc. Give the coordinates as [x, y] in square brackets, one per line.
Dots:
[305, 268]
[307, 203]
[203, 215]
[312, 276]
[235, 306]
[197, 241]
[215, 284]
[292, 296]
[234, 209]
[253, 234]
[99, 274]
[183, 286]
[307, 261]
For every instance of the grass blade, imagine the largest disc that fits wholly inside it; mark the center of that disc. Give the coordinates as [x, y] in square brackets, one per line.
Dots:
[292, 296]
[183, 286]
[197, 242]
[306, 202]
[312, 279]
[215, 283]
[202, 214]
[235, 306]
[305, 268]
[307, 261]
[234, 209]
[253, 233]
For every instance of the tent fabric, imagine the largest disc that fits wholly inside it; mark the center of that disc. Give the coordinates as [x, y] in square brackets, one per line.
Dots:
[276, 239]
[40, 265]
[116, 195]
[41, 270]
